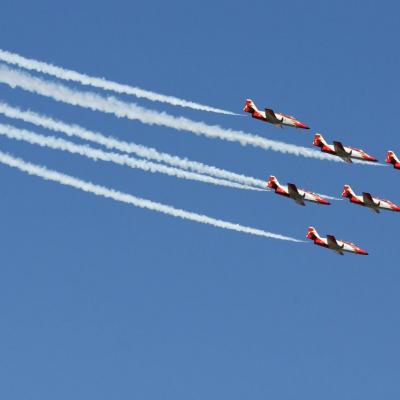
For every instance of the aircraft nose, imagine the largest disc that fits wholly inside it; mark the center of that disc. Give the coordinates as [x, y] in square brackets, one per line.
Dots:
[301, 125]
[323, 201]
[362, 252]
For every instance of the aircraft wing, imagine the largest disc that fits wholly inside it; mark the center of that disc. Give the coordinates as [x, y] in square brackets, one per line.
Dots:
[341, 152]
[295, 195]
[270, 116]
[333, 244]
[369, 201]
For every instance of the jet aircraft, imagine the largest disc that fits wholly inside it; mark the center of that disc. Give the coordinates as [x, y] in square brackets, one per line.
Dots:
[330, 242]
[337, 149]
[277, 119]
[391, 158]
[366, 200]
[291, 191]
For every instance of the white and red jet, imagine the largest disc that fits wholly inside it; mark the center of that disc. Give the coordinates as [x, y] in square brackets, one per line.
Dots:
[391, 158]
[337, 149]
[330, 242]
[276, 119]
[291, 191]
[366, 200]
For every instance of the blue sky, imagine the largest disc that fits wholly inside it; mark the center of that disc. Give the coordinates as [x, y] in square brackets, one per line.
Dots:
[103, 300]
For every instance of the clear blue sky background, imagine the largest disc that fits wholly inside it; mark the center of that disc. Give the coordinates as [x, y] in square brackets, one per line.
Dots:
[101, 300]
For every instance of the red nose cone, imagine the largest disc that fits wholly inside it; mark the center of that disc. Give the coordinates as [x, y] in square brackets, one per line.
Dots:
[323, 201]
[362, 252]
[301, 125]
[370, 158]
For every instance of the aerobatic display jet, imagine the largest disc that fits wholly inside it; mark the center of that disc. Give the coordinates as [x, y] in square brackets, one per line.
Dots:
[337, 149]
[291, 191]
[391, 158]
[330, 242]
[366, 200]
[277, 119]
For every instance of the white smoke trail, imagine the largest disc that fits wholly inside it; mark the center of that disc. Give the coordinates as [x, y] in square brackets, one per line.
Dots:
[98, 190]
[69, 75]
[139, 150]
[329, 197]
[120, 159]
[111, 105]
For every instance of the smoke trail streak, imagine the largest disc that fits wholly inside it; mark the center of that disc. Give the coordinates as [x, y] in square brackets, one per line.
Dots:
[98, 190]
[329, 197]
[132, 111]
[115, 144]
[120, 159]
[69, 75]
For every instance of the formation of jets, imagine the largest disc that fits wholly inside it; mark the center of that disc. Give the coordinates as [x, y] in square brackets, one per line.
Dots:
[300, 196]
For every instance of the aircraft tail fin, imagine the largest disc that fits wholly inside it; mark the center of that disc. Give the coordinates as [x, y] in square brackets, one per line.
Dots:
[312, 233]
[272, 182]
[391, 158]
[249, 106]
[348, 191]
[319, 141]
